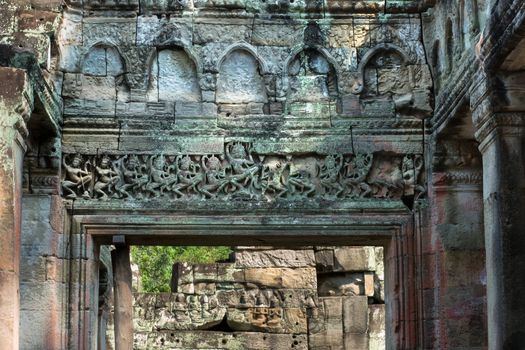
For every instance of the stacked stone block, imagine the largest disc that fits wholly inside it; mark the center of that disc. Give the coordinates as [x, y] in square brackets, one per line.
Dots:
[321, 298]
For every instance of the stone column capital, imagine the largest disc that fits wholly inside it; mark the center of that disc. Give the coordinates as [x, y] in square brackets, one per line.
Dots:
[502, 124]
[495, 102]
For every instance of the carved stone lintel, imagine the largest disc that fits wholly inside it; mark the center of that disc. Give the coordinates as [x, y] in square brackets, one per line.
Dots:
[240, 174]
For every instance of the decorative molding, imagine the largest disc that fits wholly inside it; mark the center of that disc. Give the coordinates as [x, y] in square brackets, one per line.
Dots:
[452, 95]
[41, 183]
[453, 178]
[500, 38]
[500, 120]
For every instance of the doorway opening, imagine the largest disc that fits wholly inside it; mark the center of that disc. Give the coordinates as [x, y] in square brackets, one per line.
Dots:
[252, 297]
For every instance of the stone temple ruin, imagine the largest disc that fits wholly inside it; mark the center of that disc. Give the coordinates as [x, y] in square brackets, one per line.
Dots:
[268, 299]
[304, 125]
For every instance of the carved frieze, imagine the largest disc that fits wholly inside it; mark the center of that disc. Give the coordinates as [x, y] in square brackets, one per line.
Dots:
[240, 173]
[178, 311]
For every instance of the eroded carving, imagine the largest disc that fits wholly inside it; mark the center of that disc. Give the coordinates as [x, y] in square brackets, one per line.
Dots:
[241, 173]
[174, 77]
[385, 79]
[312, 78]
[239, 79]
[189, 312]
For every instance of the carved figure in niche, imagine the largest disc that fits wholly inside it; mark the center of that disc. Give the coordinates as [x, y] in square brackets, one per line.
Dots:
[106, 178]
[275, 316]
[300, 180]
[180, 302]
[189, 176]
[103, 60]
[385, 75]
[76, 178]
[132, 176]
[215, 176]
[194, 307]
[260, 312]
[160, 176]
[205, 306]
[311, 78]
[243, 299]
[354, 176]
[243, 167]
[329, 175]
[275, 313]
[174, 77]
[180, 309]
[240, 80]
[271, 180]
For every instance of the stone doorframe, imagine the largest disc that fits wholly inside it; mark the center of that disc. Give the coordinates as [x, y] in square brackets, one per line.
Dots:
[391, 226]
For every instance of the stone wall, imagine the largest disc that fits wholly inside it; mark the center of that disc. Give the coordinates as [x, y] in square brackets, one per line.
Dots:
[43, 276]
[325, 98]
[453, 253]
[311, 298]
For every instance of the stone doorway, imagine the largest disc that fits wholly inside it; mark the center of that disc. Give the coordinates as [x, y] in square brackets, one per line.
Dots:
[391, 229]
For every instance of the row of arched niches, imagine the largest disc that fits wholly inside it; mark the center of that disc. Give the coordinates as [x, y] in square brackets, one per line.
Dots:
[250, 6]
[311, 81]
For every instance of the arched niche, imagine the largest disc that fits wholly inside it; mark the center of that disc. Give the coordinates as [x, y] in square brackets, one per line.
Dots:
[103, 71]
[390, 85]
[311, 77]
[239, 79]
[103, 60]
[173, 77]
[385, 73]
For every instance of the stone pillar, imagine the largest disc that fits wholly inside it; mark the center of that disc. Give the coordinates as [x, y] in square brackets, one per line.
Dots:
[502, 137]
[123, 298]
[15, 105]
[454, 257]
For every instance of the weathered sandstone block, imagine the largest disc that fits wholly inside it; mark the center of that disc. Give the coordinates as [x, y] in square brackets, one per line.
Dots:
[341, 284]
[354, 259]
[275, 258]
[282, 277]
